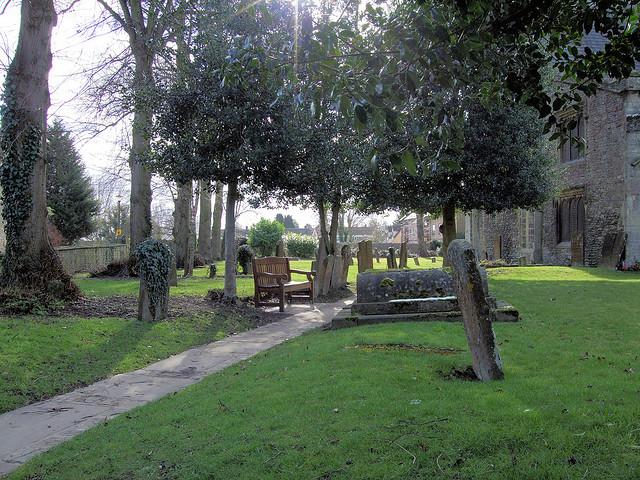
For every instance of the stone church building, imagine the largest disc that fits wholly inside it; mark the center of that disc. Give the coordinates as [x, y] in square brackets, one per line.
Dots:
[594, 218]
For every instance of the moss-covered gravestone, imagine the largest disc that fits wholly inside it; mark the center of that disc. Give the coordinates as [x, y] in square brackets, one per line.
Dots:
[477, 315]
[154, 264]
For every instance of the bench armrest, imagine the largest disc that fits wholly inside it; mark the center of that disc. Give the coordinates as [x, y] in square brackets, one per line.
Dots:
[302, 272]
[279, 277]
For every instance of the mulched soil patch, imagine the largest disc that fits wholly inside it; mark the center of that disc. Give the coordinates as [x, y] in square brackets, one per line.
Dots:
[335, 295]
[179, 306]
[467, 374]
[406, 347]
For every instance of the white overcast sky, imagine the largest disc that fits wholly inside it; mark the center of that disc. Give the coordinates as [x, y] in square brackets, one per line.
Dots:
[75, 50]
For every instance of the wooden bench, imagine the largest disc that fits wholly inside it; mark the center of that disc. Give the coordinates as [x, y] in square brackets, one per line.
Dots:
[272, 275]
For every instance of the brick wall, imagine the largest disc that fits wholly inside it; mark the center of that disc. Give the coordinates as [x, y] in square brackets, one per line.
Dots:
[600, 177]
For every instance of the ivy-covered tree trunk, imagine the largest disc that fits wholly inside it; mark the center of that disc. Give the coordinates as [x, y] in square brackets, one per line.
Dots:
[204, 227]
[182, 223]
[422, 245]
[216, 226]
[230, 260]
[30, 262]
[449, 229]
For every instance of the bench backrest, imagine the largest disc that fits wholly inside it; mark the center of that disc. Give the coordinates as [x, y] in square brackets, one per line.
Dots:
[278, 265]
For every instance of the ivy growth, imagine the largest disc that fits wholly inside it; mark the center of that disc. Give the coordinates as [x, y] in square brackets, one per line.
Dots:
[20, 147]
[154, 262]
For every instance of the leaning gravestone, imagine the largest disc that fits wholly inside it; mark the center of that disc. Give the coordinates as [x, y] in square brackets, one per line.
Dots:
[347, 260]
[416, 260]
[403, 257]
[154, 265]
[476, 311]
[612, 249]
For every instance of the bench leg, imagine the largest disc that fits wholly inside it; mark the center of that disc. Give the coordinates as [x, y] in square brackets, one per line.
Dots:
[282, 300]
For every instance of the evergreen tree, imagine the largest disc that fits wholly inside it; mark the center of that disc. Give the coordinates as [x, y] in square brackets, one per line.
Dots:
[70, 195]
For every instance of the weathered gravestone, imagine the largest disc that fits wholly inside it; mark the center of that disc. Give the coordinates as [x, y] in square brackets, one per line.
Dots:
[391, 259]
[154, 265]
[347, 260]
[404, 253]
[213, 270]
[416, 260]
[365, 256]
[612, 249]
[477, 315]
[411, 296]
[280, 249]
[577, 249]
[173, 273]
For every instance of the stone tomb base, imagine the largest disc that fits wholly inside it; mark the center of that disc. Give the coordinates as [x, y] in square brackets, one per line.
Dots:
[389, 297]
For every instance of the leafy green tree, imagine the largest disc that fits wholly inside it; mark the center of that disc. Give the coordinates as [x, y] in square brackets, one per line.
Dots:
[70, 195]
[505, 163]
[220, 122]
[287, 220]
[264, 235]
[301, 246]
[330, 164]
[408, 60]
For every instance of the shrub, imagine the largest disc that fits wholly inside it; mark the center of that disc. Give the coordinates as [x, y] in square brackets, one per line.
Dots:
[435, 244]
[198, 261]
[245, 255]
[302, 246]
[264, 235]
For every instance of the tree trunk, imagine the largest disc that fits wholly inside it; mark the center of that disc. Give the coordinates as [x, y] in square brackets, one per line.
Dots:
[30, 261]
[216, 226]
[449, 229]
[140, 212]
[204, 227]
[182, 223]
[422, 245]
[327, 250]
[230, 240]
[191, 244]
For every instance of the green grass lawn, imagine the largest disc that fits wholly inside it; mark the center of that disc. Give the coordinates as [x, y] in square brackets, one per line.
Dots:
[319, 407]
[43, 356]
[199, 284]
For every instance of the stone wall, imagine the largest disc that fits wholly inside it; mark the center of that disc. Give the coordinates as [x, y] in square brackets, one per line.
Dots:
[605, 178]
[598, 177]
[631, 213]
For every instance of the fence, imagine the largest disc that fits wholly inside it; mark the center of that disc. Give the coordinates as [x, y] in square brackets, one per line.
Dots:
[91, 258]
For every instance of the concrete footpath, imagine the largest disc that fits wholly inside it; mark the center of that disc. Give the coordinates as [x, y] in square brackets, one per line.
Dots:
[33, 429]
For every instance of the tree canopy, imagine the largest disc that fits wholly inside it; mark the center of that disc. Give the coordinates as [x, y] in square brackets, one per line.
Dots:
[70, 195]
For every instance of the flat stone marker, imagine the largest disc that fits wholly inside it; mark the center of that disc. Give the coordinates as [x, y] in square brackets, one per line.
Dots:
[476, 312]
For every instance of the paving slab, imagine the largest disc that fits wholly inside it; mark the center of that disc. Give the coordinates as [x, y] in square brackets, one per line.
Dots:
[33, 429]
